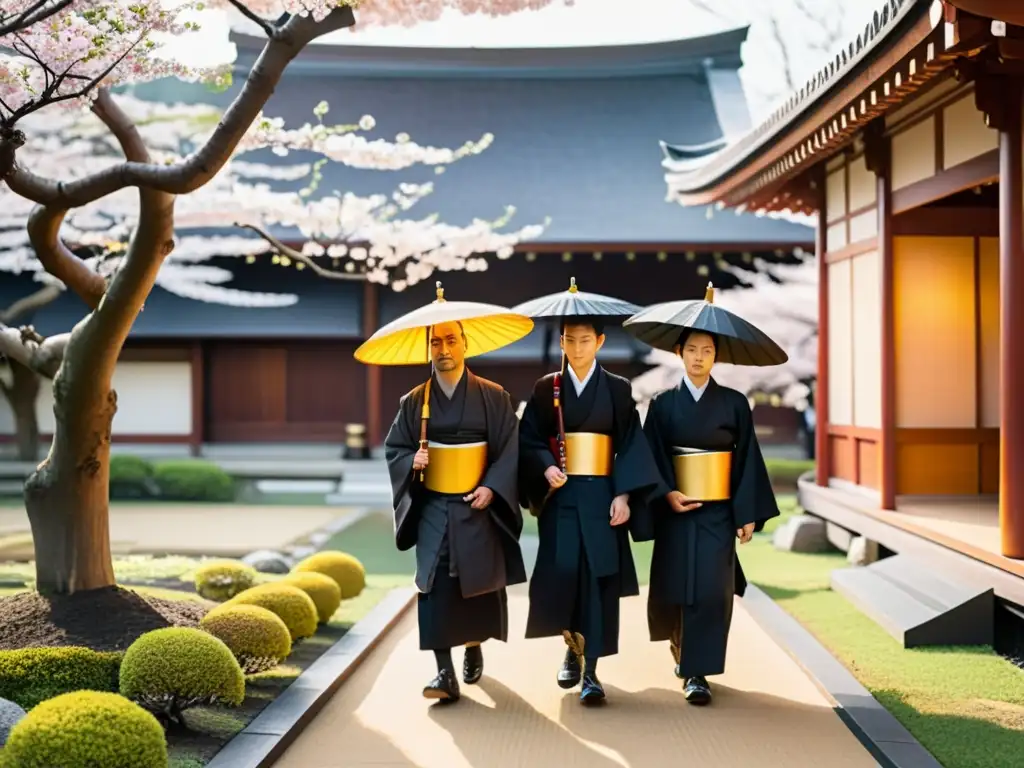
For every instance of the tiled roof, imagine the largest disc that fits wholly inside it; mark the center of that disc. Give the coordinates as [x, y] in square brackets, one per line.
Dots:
[892, 17]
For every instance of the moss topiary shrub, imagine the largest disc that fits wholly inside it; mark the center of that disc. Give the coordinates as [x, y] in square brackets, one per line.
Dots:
[193, 480]
[87, 729]
[223, 579]
[131, 477]
[293, 606]
[346, 571]
[324, 591]
[170, 670]
[257, 637]
[29, 676]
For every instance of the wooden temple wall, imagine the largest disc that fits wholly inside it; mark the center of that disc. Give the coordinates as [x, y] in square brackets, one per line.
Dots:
[945, 298]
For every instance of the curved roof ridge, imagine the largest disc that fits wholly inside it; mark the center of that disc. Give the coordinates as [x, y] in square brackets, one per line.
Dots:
[684, 55]
[884, 22]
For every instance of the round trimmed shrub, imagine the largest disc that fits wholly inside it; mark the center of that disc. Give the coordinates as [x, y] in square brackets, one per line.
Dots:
[257, 637]
[87, 729]
[193, 480]
[289, 603]
[346, 571]
[223, 579]
[170, 670]
[29, 676]
[131, 477]
[324, 591]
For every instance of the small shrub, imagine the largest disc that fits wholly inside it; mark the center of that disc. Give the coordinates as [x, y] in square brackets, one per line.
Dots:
[193, 480]
[293, 606]
[131, 477]
[223, 579]
[257, 637]
[346, 571]
[87, 729]
[29, 676]
[170, 670]
[784, 473]
[324, 591]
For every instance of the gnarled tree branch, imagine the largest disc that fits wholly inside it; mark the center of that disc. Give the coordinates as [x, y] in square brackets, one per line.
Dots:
[299, 256]
[39, 11]
[25, 346]
[201, 167]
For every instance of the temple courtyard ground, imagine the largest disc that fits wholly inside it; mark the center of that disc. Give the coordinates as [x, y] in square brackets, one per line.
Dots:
[766, 711]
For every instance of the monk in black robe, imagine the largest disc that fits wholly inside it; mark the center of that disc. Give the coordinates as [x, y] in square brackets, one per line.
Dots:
[456, 502]
[702, 437]
[584, 562]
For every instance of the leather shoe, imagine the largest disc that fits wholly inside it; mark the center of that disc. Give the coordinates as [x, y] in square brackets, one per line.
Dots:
[570, 673]
[697, 691]
[593, 691]
[473, 665]
[444, 687]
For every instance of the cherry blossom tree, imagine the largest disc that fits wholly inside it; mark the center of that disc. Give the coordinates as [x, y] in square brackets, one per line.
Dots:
[68, 59]
[781, 300]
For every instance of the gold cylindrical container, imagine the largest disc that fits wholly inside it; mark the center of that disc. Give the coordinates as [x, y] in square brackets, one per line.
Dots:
[455, 469]
[588, 453]
[703, 475]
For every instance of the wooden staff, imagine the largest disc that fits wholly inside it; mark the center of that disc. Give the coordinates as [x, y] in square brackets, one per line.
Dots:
[560, 437]
[425, 413]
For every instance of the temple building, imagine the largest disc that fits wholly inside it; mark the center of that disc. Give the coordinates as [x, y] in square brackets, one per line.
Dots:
[577, 135]
[907, 146]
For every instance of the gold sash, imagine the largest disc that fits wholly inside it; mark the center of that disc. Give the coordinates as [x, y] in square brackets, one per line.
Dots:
[588, 453]
[455, 469]
[703, 475]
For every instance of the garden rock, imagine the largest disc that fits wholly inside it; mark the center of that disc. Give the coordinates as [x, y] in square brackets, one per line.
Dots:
[840, 538]
[803, 533]
[268, 561]
[10, 715]
[862, 551]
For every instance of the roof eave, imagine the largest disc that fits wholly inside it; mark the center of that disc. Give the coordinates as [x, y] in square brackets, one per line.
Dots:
[721, 49]
[806, 111]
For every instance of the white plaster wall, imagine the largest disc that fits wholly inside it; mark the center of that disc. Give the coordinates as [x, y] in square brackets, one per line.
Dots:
[970, 137]
[866, 290]
[840, 346]
[913, 154]
[152, 399]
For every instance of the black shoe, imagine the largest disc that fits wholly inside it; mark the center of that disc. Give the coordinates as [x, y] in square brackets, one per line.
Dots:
[593, 691]
[473, 665]
[697, 691]
[444, 687]
[570, 673]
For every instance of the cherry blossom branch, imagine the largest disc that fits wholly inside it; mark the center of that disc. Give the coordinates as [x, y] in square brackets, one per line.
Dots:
[201, 167]
[299, 256]
[265, 25]
[35, 13]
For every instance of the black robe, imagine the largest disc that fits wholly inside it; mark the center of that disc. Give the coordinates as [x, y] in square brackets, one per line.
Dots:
[694, 570]
[584, 564]
[464, 557]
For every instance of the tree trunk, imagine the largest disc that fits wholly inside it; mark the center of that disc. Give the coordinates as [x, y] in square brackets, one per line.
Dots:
[22, 396]
[67, 497]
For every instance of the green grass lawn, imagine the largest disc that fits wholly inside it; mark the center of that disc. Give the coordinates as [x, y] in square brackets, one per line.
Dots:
[965, 705]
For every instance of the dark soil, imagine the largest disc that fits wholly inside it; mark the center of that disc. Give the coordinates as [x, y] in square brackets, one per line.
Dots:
[108, 619]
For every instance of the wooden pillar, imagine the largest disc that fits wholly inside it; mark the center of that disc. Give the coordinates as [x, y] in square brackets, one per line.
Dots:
[198, 399]
[371, 317]
[1007, 119]
[878, 156]
[822, 443]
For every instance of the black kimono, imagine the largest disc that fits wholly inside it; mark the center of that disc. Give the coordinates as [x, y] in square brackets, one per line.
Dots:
[695, 571]
[464, 557]
[584, 564]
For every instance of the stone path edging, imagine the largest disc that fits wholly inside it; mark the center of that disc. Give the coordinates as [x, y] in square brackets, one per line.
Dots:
[873, 725]
[273, 730]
